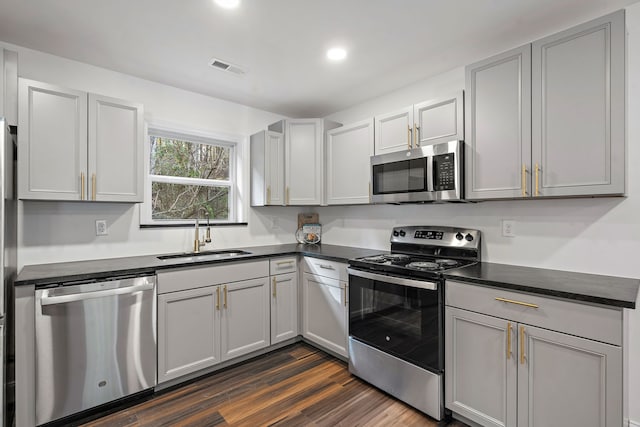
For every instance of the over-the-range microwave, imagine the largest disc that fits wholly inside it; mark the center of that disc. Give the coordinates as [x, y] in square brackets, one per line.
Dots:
[432, 173]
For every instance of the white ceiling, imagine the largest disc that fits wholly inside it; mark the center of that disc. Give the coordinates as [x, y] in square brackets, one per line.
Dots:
[282, 43]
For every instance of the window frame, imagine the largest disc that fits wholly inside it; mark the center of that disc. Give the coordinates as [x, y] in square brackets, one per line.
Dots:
[232, 142]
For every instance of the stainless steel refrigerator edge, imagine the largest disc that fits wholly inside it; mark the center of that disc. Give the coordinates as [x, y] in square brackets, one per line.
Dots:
[8, 259]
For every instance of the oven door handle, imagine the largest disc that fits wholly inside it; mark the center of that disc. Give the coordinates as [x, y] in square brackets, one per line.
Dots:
[422, 284]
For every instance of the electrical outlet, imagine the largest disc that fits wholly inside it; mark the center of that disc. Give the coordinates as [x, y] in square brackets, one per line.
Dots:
[101, 227]
[508, 228]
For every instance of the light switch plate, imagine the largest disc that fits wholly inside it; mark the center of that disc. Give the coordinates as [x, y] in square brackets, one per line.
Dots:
[508, 228]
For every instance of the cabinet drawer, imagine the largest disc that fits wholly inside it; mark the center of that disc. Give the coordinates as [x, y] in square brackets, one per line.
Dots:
[326, 268]
[283, 265]
[197, 277]
[584, 320]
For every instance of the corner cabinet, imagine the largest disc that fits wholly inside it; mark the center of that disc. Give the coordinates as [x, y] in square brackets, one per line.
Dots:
[208, 315]
[429, 122]
[325, 305]
[349, 150]
[548, 119]
[78, 146]
[538, 364]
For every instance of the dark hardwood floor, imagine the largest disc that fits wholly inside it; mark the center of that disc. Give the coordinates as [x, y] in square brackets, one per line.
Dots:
[295, 386]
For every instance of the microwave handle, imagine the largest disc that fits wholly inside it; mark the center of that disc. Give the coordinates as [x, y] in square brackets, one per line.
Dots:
[430, 186]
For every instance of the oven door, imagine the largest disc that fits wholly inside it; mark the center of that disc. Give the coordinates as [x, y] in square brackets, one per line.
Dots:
[399, 316]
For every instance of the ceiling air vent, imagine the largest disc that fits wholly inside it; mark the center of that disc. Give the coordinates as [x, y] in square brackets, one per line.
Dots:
[226, 66]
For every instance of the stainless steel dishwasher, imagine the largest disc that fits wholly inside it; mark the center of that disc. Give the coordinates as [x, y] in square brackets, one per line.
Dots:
[95, 342]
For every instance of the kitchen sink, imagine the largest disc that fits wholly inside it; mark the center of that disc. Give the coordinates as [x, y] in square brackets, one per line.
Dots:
[203, 256]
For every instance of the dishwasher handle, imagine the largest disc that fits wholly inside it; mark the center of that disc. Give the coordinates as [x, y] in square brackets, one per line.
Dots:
[62, 299]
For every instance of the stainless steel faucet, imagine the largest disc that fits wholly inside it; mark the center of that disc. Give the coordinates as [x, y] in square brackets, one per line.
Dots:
[197, 243]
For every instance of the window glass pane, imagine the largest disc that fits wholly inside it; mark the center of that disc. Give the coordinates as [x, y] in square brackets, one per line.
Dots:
[172, 157]
[178, 201]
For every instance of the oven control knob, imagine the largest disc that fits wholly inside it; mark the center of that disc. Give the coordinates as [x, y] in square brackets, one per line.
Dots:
[459, 236]
[395, 233]
[402, 233]
[469, 237]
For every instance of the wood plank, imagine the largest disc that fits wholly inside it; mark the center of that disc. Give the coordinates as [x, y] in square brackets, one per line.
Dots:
[294, 386]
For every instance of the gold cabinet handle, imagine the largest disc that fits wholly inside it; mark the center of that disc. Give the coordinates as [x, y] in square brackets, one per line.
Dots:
[218, 298]
[416, 135]
[409, 137]
[508, 340]
[81, 185]
[345, 295]
[510, 301]
[524, 180]
[93, 186]
[274, 287]
[268, 194]
[285, 262]
[522, 358]
[537, 193]
[288, 200]
[225, 296]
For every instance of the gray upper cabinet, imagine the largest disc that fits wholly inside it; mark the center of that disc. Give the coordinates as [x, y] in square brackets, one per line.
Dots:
[439, 120]
[548, 119]
[578, 113]
[115, 149]
[52, 142]
[78, 146]
[267, 168]
[498, 126]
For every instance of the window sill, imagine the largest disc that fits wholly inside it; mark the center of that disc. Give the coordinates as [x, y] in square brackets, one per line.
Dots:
[217, 224]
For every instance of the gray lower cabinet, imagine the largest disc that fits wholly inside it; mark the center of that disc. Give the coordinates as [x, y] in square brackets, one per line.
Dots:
[284, 307]
[503, 369]
[548, 119]
[244, 317]
[209, 315]
[188, 332]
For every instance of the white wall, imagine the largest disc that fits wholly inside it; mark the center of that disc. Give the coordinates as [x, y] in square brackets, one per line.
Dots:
[63, 231]
[596, 235]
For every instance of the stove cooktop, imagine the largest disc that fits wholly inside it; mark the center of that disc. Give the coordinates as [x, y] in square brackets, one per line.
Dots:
[409, 265]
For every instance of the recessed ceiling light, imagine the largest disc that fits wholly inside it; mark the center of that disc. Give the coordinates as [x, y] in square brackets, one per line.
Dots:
[228, 4]
[336, 54]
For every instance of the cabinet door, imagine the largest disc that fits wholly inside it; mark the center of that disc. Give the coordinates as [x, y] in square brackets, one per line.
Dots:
[480, 367]
[579, 109]
[274, 168]
[284, 307]
[52, 142]
[394, 131]
[349, 150]
[115, 150]
[245, 319]
[498, 126]
[9, 86]
[188, 331]
[564, 380]
[439, 120]
[303, 148]
[325, 313]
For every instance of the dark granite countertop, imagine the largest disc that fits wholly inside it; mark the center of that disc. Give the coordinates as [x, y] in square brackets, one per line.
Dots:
[46, 274]
[607, 290]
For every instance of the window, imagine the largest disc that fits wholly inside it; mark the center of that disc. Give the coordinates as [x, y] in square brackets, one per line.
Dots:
[188, 174]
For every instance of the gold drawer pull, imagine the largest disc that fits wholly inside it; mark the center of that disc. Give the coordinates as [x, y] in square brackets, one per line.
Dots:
[284, 262]
[409, 137]
[510, 301]
[225, 296]
[274, 287]
[218, 298]
[81, 185]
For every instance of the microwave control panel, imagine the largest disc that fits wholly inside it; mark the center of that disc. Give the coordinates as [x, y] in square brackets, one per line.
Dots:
[444, 172]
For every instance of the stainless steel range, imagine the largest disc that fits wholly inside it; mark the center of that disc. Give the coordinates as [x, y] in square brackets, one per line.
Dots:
[396, 312]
